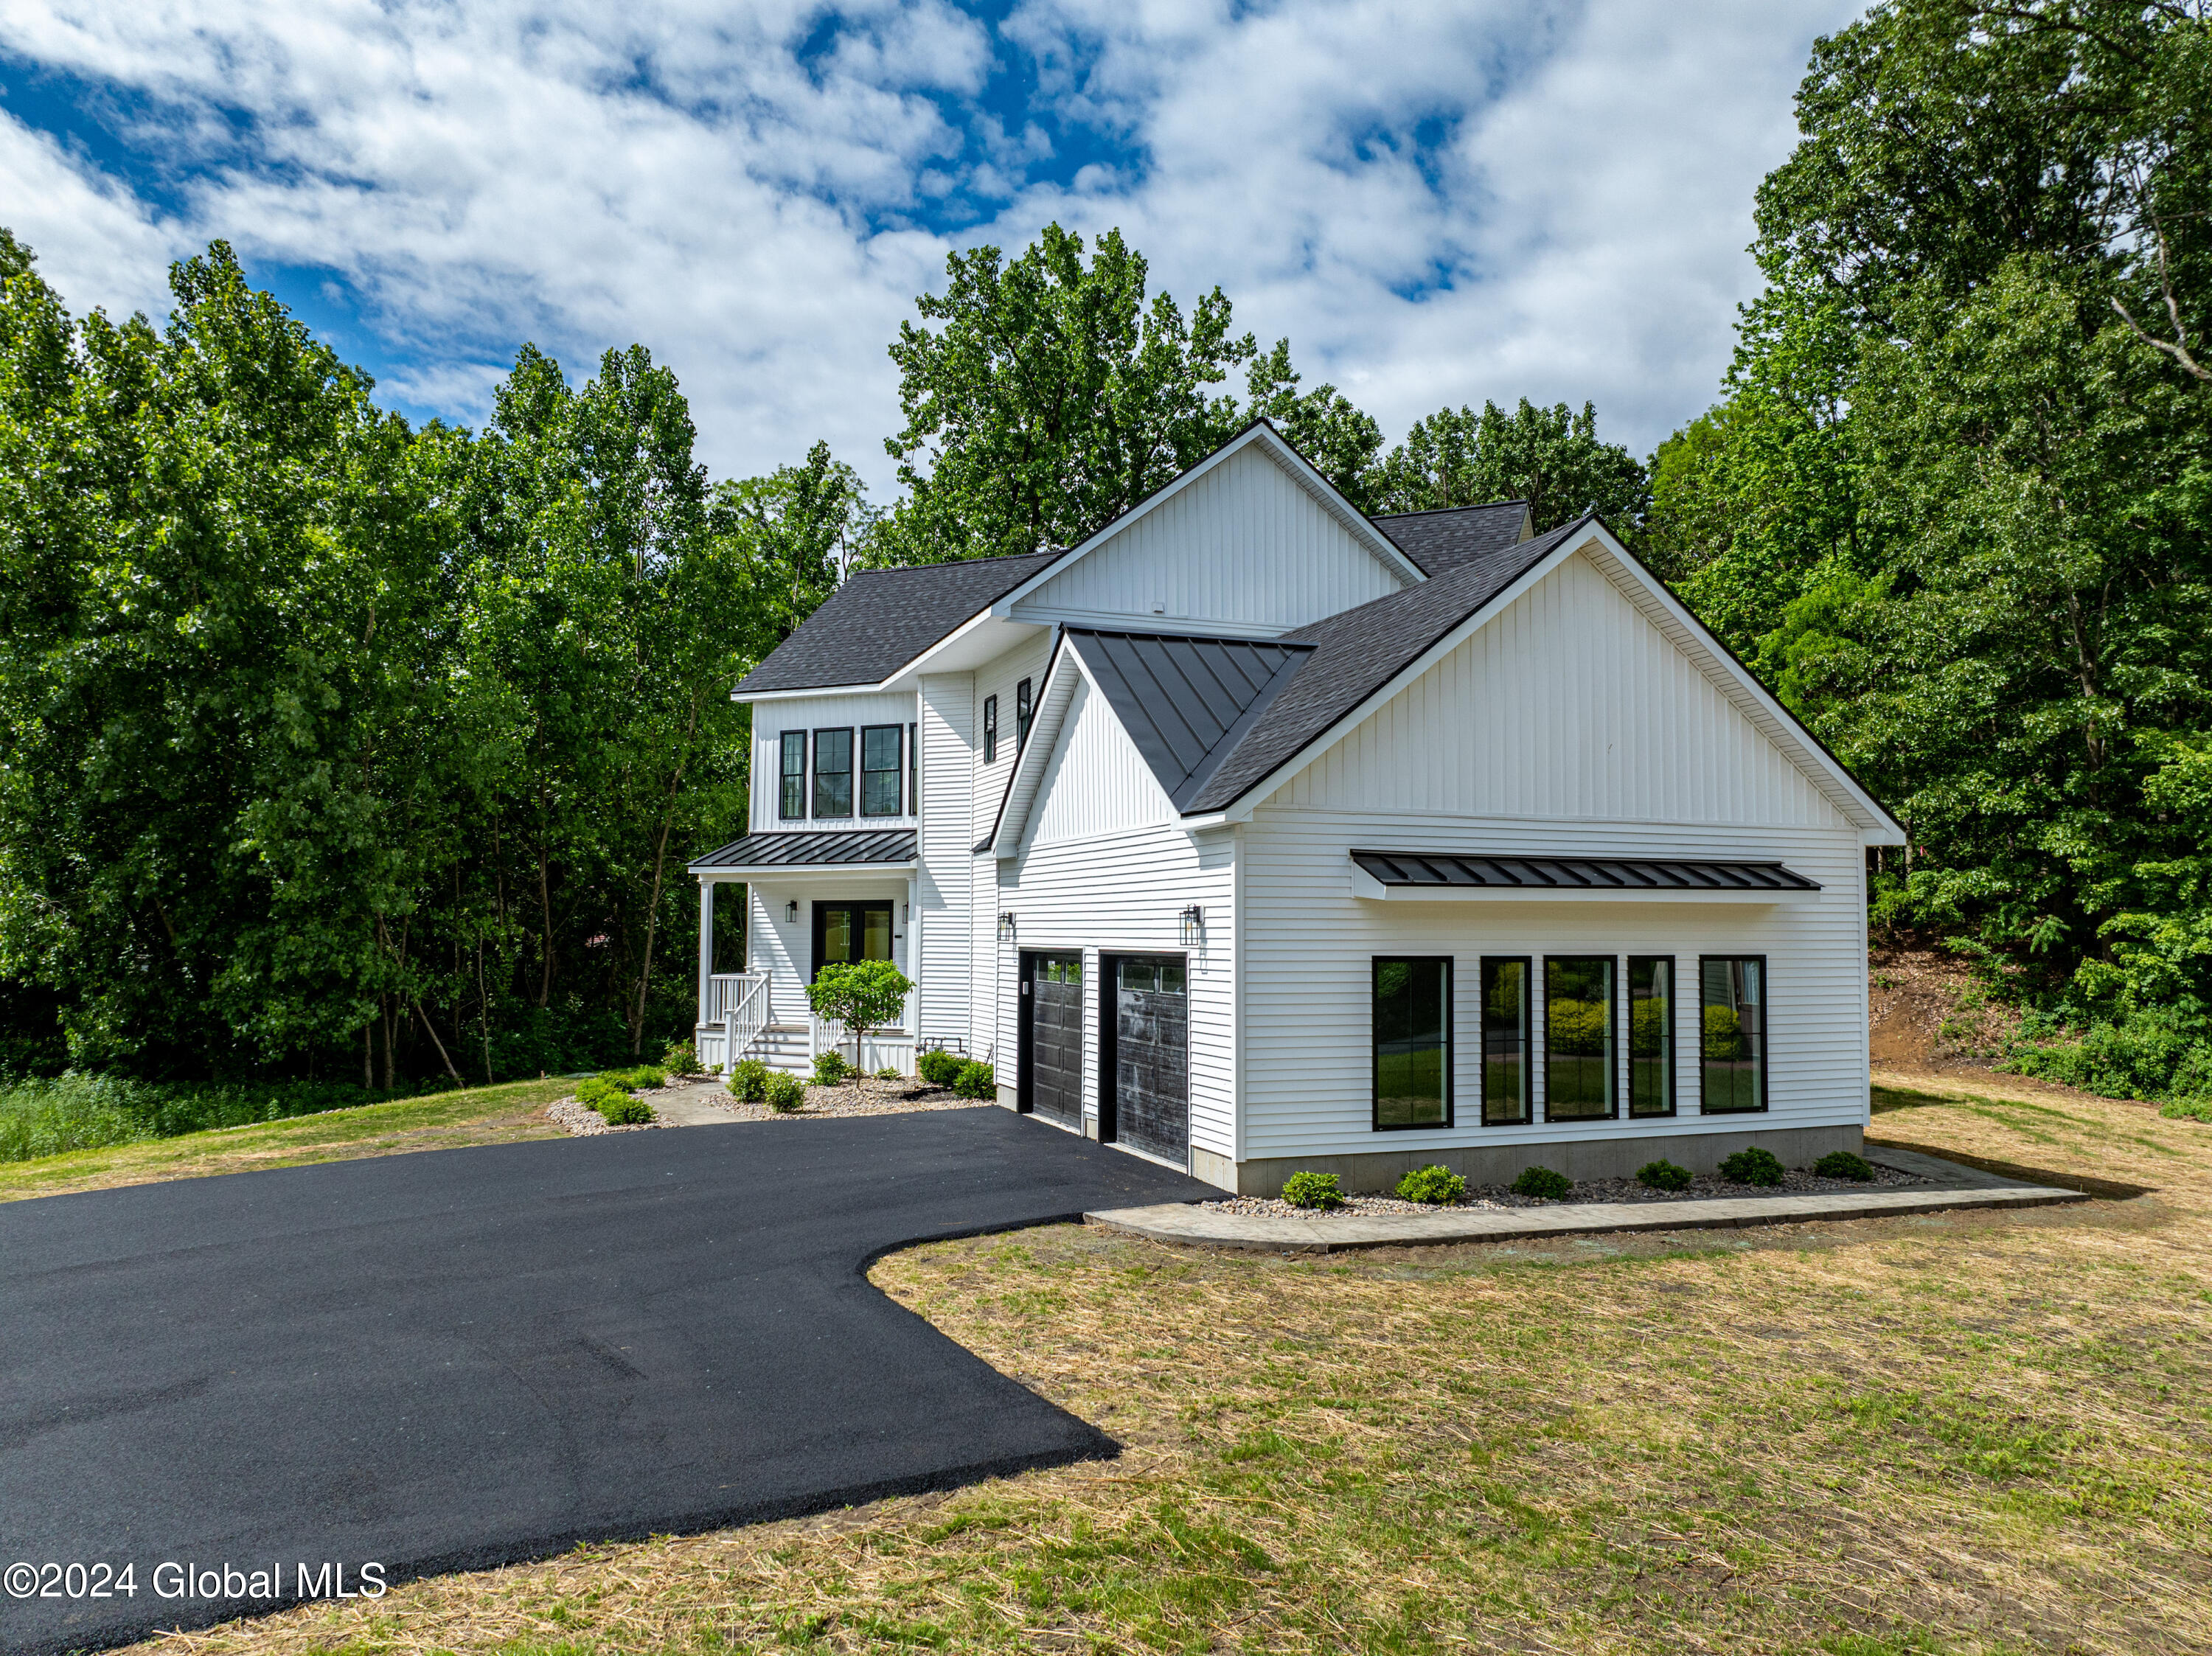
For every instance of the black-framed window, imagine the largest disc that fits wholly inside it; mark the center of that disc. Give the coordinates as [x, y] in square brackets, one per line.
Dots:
[1413, 1042]
[990, 729]
[879, 770]
[913, 771]
[1732, 1034]
[1023, 712]
[1505, 1069]
[833, 772]
[846, 932]
[1652, 1034]
[791, 803]
[1578, 1037]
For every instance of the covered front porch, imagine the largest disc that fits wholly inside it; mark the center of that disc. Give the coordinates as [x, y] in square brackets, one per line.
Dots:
[811, 899]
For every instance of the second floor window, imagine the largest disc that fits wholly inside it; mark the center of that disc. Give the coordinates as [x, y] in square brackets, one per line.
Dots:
[879, 771]
[1022, 713]
[792, 802]
[990, 729]
[833, 772]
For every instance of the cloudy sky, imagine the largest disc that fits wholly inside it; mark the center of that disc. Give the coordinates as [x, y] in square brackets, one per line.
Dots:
[1435, 203]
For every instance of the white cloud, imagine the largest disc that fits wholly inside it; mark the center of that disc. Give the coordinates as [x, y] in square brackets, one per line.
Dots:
[685, 174]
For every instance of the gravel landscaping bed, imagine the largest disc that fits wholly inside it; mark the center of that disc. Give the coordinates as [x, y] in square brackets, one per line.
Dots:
[1703, 1187]
[582, 1120]
[865, 1097]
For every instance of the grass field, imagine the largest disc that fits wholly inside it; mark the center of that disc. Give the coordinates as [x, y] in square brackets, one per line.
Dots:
[1969, 1433]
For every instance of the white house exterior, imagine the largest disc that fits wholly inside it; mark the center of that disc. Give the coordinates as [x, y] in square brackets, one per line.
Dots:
[1254, 835]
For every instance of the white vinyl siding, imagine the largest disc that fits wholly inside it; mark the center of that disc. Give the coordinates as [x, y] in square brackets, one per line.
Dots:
[945, 878]
[1243, 549]
[999, 678]
[811, 713]
[1096, 781]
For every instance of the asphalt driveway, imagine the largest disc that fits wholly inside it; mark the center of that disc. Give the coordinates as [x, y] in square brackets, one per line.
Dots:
[458, 1358]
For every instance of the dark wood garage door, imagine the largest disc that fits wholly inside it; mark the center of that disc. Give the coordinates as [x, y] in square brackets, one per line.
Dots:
[1151, 1055]
[1052, 1036]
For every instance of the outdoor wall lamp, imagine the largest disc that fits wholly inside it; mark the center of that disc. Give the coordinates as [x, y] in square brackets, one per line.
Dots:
[791, 912]
[1194, 924]
[1006, 926]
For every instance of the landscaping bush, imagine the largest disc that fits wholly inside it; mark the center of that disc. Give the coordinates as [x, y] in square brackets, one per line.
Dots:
[1437, 1185]
[1842, 1164]
[940, 1068]
[1312, 1189]
[976, 1081]
[830, 1069]
[1663, 1174]
[1542, 1182]
[862, 995]
[642, 1075]
[681, 1059]
[1752, 1166]
[887, 1073]
[784, 1094]
[748, 1081]
[2188, 1109]
[623, 1111]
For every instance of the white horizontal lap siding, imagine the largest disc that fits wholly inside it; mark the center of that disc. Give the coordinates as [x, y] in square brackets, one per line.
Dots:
[1096, 781]
[945, 876]
[811, 713]
[1309, 943]
[1123, 893]
[1243, 546]
[782, 945]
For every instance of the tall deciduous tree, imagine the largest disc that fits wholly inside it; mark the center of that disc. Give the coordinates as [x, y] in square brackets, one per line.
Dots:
[1551, 457]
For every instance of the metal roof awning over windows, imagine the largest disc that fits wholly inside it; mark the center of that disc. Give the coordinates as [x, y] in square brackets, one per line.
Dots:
[1428, 875]
[846, 848]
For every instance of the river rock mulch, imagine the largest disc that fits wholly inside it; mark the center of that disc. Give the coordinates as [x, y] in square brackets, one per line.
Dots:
[867, 1096]
[1703, 1187]
[581, 1120]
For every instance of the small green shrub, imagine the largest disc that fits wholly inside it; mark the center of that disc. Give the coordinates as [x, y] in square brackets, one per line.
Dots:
[887, 1073]
[830, 1069]
[2188, 1109]
[940, 1068]
[1312, 1189]
[1437, 1185]
[976, 1081]
[597, 1092]
[681, 1059]
[623, 1111]
[748, 1081]
[1543, 1183]
[642, 1075]
[1663, 1174]
[1752, 1166]
[1842, 1164]
[783, 1092]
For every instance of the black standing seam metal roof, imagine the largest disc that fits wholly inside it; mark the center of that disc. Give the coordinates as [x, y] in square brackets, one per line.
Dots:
[1184, 699]
[826, 848]
[1443, 540]
[1496, 872]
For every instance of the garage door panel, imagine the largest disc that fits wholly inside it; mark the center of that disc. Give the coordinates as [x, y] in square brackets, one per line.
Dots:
[1055, 1011]
[1152, 1057]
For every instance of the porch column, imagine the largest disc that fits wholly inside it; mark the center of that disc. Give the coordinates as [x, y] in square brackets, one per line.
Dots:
[705, 944]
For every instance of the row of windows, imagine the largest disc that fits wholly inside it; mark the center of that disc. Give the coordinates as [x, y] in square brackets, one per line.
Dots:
[1024, 710]
[1587, 1024]
[881, 775]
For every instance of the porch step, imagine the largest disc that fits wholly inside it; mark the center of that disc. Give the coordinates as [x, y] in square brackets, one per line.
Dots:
[786, 1046]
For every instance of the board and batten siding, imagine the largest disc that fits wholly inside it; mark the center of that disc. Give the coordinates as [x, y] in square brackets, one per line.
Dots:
[1309, 943]
[1123, 893]
[945, 863]
[1096, 782]
[1569, 705]
[1243, 549]
[810, 713]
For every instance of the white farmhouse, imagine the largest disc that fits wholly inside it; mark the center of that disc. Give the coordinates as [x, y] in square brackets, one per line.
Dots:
[1252, 835]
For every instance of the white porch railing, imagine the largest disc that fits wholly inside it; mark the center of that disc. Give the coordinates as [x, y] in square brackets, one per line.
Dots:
[737, 1010]
[889, 1048]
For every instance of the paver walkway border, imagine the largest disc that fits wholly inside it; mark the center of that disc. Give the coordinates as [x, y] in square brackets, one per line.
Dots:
[1958, 1186]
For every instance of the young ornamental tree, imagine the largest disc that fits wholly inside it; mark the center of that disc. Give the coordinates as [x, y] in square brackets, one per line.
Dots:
[861, 996]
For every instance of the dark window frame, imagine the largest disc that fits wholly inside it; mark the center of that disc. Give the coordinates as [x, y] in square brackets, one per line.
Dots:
[1613, 1020]
[1024, 713]
[858, 911]
[786, 777]
[894, 771]
[913, 770]
[990, 729]
[850, 774]
[1765, 1035]
[1528, 1116]
[1375, 964]
[1673, 1034]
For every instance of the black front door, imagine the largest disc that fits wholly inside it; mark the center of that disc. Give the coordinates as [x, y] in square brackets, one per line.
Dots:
[1052, 1037]
[1147, 1005]
[845, 932]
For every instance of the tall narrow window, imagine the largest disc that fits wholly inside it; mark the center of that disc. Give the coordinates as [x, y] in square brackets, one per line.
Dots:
[913, 771]
[1650, 1036]
[794, 801]
[879, 770]
[833, 772]
[1577, 1037]
[1412, 1043]
[1504, 1042]
[990, 729]
[1023, 710]
[1732, 1072]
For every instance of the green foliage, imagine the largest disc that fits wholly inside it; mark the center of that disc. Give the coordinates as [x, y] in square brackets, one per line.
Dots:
[1663, 1174]
[862, 996]
[80, 1110]
[784, 1094]
[940, 1068]
[748, 1081]
[1752, 1165]
[1542, 1183]
[597, 1092]
[1312, 1189]
[621, 1110]
[976, 1081]
[888, 1073]
[831, 1070]
[2188, 1109]
[638, 1075]
[1842, 1164]
[1550, 458]
[1437, 1185]
[681, 1059]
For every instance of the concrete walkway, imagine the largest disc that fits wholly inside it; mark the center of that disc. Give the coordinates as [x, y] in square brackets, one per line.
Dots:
[691, 1107]
[1953, 1186]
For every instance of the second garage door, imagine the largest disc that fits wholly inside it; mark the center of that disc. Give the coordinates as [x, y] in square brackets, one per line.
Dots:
[1151, 1055]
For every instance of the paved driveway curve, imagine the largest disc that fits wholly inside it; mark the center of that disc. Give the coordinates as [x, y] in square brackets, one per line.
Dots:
[455, 1358]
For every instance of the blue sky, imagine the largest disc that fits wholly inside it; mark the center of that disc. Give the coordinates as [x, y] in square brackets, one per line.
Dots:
[1436, 204]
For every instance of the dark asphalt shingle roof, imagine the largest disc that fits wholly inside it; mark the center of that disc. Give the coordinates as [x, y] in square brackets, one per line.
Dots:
[1446, 540]
[1186, 701]
[834, 845]
[1429, 868]
[881, 619]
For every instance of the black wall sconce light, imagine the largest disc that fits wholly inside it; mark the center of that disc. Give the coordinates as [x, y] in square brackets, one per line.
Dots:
[1006, 926]
[791, 912]
[1194, 924]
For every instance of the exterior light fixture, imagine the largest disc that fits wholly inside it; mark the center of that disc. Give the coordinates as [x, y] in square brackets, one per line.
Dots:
[791, 912]
[1006, 926]
[1194, 924]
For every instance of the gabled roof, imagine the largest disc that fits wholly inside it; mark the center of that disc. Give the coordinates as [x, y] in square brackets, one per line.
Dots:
[881, 619]
[1186, 701]
[1452, 537]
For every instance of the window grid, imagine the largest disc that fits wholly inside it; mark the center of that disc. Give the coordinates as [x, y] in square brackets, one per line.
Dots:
[792, 804]
[1023, 712]
[879, 770]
